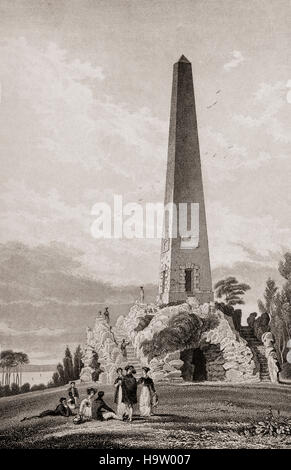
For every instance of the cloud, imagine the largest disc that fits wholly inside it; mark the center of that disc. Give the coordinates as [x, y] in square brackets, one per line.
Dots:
[229, 234]
[237, 58]
[270, 110]
[42, 332]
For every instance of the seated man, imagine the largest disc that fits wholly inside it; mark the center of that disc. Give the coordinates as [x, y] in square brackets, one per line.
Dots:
[101, 411]
[61, 410]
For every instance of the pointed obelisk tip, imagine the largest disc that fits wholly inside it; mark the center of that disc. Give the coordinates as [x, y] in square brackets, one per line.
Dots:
[183, 59]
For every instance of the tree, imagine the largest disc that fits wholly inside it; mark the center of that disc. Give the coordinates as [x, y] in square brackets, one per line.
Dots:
[77, 362]
[277, 304]
[21, 359]
[269, 297]
[61, 373]
[8, 362]
[231, 290]
[68, 366]
[285, 266]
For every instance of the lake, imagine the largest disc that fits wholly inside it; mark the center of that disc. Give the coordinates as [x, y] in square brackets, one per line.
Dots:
[35, 378]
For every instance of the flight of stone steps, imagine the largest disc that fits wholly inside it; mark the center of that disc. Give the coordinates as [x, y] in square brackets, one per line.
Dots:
[258, 349]
[119, 335]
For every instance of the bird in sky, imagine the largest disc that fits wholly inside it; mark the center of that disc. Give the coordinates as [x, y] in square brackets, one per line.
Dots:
[218, 91]
[211, 105]
[213, 155]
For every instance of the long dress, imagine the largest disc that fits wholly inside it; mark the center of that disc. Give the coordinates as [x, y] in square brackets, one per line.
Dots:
[145, 399]
[86, 409]
[121, 408]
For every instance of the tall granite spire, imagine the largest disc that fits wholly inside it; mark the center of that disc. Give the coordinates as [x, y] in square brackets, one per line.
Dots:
[185, 266]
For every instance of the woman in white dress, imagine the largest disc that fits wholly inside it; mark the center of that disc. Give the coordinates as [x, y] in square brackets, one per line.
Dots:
[118, 393]
[147, 392]
[86, 405]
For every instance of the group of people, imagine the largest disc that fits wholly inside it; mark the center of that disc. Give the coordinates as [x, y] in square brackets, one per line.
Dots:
[94, 407]
[106, 314]
[126, 392]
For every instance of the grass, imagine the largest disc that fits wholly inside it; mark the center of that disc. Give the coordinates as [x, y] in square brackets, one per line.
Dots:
[196, 416]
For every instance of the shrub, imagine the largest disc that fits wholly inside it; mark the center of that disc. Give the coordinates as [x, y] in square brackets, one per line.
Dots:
[285, 371]
[38, 387]
[14, 389]
[6, 391]
[183, 331]
[25, 388]
[143, 323]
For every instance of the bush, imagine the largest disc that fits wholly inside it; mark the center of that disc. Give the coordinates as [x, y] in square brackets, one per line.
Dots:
[143, 323]
[14, 389]
[38, 387]
[25, 388]
[286, 371]
[183, 331]
[6, 391]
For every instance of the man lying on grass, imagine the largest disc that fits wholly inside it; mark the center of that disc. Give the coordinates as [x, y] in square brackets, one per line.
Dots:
[61, 410]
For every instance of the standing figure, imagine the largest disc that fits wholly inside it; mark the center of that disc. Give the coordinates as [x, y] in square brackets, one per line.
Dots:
[147, 393]
[120, 411]
[141, 294]
[86, 404]
[106, 315]
[101, 411]
[74, 391]
[129, 389]
[123, 348]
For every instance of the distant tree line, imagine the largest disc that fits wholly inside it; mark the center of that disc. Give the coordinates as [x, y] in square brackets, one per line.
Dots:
[12, 366]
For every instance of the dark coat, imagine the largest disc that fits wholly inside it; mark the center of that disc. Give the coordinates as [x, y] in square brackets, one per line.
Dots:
[60, 410]
[129, 389]
[148, 382]
[74, 391]
[99, 405]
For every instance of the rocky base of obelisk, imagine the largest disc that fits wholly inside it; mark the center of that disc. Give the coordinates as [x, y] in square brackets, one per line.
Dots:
[101, 354]
[166, 339]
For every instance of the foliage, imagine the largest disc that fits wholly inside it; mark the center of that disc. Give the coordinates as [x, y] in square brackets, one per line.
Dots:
[11, 363]
[143, 323]
[269, 297]
[277, 304]
[269, 426]
[77, 362]
[61, 373]
[68, 366]
[15, 388]
[38, 387]
[183, 331]
[25, 388]
[231, 290]
[285, 266]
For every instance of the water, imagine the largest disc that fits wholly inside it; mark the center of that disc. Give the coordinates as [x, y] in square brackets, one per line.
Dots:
[36, 378]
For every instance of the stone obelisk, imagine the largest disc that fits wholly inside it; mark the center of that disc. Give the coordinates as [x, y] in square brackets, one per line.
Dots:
[185, 265]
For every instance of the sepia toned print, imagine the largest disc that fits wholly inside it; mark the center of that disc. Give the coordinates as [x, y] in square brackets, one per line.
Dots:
[145, 252]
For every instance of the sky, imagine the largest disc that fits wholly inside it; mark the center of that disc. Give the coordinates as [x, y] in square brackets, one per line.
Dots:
[84, 114]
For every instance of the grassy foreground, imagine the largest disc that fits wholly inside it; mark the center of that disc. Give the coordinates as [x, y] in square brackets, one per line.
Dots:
[204, 415]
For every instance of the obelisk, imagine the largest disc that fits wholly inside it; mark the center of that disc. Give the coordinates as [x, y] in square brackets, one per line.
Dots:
[185, 265]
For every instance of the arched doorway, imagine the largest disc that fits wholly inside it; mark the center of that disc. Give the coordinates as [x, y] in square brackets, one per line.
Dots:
[194, 367]
[204, 363]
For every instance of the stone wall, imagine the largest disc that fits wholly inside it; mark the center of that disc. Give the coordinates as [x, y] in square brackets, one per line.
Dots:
[230, 359]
